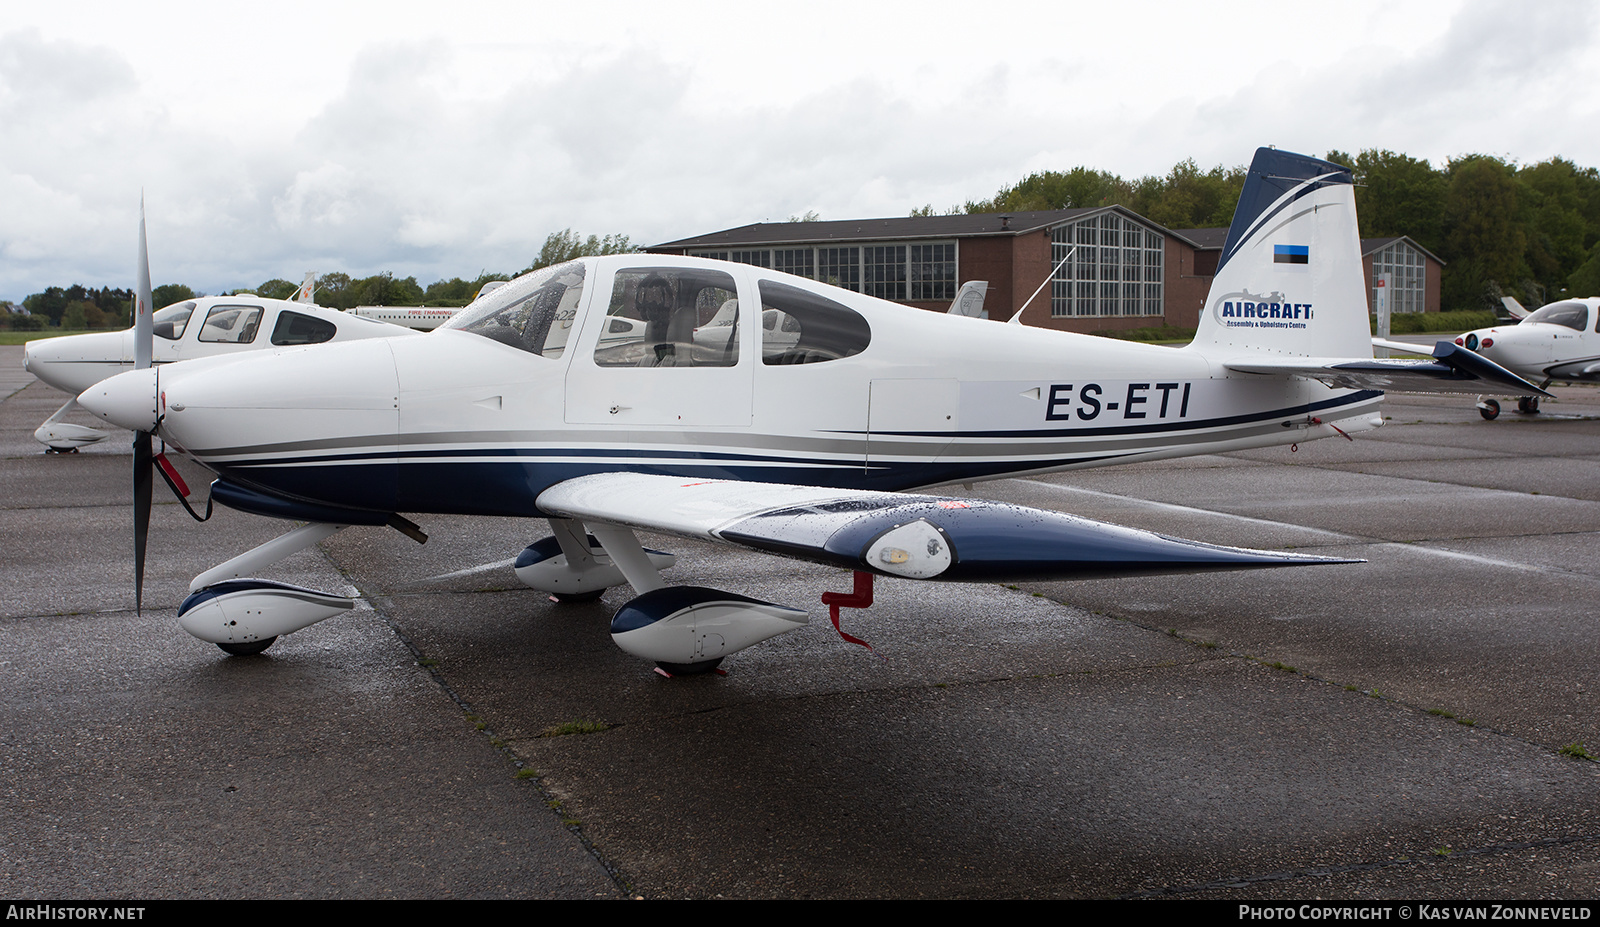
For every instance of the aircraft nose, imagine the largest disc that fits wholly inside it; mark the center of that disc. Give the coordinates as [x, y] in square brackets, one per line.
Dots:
[127, 400]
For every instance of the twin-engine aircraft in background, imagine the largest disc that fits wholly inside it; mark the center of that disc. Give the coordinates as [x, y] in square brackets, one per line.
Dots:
[793, 431]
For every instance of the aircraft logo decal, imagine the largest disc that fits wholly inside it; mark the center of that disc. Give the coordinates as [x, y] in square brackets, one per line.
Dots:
[1245, 310]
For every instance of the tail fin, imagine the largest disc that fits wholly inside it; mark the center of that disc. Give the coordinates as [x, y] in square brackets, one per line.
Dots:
[1290, 279]
[969, 302]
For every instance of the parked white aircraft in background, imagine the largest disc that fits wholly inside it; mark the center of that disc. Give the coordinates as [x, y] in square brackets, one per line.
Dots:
[204, 327]
[1557, 342]
[790, 439]
[1514, 308]
[420, 318]
[969, 301]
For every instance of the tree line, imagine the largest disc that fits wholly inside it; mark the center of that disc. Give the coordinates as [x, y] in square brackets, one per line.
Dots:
[77, 307]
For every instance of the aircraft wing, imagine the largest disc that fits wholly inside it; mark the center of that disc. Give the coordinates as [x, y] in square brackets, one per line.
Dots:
[894, 534]
[1453, 369]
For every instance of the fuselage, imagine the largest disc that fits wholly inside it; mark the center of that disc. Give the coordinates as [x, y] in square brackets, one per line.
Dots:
[597, 366]
[1560, 341]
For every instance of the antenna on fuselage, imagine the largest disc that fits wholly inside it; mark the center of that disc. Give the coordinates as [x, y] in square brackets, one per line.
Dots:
[1017, 318]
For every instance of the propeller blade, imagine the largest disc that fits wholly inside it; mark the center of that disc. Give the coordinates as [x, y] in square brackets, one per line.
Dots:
[143, 453]
[143, 476]
[143, 325]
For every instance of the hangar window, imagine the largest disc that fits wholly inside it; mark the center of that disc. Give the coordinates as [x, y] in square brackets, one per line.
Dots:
[900, 272]
[1116, 269]
[840, 267]
[532, 313]
[883, 271]
[757, 258]
[797, 261]
[299, 328]
[231, 324]
[170, 322]
[933, 271]
[801, 327]
[665, 317]
[1407, 270]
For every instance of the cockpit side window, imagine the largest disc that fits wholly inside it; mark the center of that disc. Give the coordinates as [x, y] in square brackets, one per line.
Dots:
[533, 313]
[671, 317]
[170, 322]
[299, 328]
[1571, 313]
[801, 327]
[231, 324]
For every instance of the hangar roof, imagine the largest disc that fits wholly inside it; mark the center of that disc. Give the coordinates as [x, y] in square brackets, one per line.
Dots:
[901, 228]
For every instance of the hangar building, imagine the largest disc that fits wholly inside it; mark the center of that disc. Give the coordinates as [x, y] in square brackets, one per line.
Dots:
[1127, 271]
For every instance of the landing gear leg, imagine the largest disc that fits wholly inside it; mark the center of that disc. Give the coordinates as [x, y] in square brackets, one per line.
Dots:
[573, 566]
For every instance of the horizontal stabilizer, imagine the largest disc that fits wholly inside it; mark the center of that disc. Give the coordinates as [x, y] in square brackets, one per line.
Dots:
[1453, 369]
[894, 534]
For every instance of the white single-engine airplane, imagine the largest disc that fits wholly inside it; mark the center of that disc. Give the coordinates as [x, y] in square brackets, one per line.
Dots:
[1557, 342]
[793, 439]
[203, 327]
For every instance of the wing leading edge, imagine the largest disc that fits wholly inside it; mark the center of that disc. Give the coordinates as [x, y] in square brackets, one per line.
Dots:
[895, 534]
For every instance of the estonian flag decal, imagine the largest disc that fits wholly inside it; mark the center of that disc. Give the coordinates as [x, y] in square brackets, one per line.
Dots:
[1291, 254]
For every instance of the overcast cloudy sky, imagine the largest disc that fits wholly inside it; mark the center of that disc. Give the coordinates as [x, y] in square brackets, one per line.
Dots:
[444, 139]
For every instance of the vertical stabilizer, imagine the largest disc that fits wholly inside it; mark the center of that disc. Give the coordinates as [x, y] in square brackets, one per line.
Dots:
[1290, 279]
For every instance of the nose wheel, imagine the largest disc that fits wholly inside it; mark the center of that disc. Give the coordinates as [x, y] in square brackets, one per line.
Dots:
[1489, 409]
[247, 649]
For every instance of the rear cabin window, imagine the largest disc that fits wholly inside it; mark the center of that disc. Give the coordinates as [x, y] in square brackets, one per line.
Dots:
[298, 328]
[671, 317]
[533, 313]
[231, 324]
[801, 327]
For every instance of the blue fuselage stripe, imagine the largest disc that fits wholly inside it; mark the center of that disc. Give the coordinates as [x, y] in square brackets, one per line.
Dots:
[508, 480]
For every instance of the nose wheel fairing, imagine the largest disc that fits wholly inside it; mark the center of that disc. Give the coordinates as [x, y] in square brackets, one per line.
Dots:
[250, 611]
[64, 437]
[243, 614]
